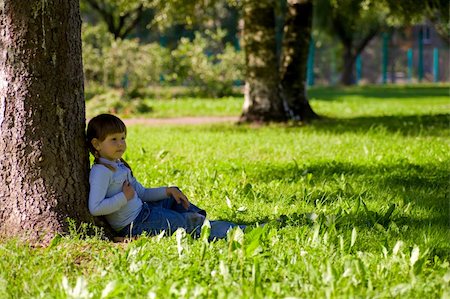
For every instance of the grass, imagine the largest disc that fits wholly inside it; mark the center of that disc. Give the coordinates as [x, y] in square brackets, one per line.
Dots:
[365, 193]
[332, 102]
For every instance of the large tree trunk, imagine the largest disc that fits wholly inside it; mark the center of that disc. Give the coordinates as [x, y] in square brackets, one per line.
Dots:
[297, 35]
[43, 160]
[262, 99]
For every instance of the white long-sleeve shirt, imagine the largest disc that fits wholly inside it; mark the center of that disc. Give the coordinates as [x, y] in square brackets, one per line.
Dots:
[107, 199]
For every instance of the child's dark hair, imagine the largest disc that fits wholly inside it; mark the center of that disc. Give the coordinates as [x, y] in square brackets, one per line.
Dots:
[100, 127]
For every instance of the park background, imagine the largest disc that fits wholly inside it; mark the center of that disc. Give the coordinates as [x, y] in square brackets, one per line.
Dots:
[136, 50]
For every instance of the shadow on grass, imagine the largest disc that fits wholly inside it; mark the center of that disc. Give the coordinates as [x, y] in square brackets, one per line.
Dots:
[411, 125]
[405, 180]
[422, 92]
[398, 201]
[405, 125]
[384, 229]
[422, 188]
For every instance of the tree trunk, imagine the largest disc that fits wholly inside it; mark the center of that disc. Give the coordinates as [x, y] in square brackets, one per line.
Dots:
[43, 159]
[351, 50]
[347, 76]
[262, 99]
[297, 35]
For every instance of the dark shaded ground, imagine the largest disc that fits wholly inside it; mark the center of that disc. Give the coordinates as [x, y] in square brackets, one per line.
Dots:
[423, 92]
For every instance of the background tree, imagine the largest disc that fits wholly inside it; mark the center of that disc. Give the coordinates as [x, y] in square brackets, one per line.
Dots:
[438, 12]
[275, 92]
[409, 12]
[157, 19]
[296, 39]
[120, 16]
[262, 98]
[355, 23]
[43, 160]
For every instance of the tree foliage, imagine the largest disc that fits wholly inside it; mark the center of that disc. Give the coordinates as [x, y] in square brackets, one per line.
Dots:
[415, 12]
[204, 63]
[207, 64]
[120, 63]
[349, 19]
[120, 16]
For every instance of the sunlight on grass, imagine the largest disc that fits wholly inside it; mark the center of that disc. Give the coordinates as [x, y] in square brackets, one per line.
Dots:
[356, 205]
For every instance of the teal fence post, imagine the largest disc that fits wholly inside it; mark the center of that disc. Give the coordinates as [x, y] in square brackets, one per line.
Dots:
[436, 65]
[163, 41]
[358, 68]
[420, 65]
[125, 81]
[410, 64]
[310, 64]
[384, 65]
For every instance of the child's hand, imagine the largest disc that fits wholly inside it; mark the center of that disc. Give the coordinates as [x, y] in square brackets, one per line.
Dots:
[178, 196]
[128, 190]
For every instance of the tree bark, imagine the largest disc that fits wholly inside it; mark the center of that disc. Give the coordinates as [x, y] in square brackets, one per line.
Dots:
[297, 36]
[262, 102]
[43, 159]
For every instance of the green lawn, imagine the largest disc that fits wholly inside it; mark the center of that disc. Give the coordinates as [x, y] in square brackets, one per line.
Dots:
[331, 102]
[365, 194]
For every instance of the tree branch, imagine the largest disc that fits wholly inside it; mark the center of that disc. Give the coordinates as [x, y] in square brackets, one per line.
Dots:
[339, 28]
[107, 16]
[139, 13]
[361, 45]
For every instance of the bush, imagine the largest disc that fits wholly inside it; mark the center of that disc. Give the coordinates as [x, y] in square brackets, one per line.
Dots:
[95, 41]
[204, 63]
[121, 63]
[115, 101]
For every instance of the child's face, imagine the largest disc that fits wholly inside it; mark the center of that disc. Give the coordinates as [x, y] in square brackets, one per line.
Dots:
[112, 148]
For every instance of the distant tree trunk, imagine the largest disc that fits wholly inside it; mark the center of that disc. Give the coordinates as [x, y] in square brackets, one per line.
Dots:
[297, 35]
[348, 58]
[43, 160]
[351, 50]
[262, 99]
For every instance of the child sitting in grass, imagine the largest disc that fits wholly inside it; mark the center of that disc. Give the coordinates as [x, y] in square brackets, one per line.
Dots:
[128, 207]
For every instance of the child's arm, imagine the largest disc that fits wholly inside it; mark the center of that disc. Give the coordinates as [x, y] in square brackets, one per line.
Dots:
[99, 182]
[148, 194]
[179, 196]
[155, 194]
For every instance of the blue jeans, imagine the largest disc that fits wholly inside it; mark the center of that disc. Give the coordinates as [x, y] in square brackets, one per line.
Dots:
[167, 215]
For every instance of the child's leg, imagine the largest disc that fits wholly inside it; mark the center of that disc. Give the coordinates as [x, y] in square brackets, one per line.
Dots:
[156, 219]
[195, 217]
[219, 229]
[171, 204]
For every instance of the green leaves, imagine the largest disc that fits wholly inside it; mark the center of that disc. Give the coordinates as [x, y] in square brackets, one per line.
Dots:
[206, 64]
